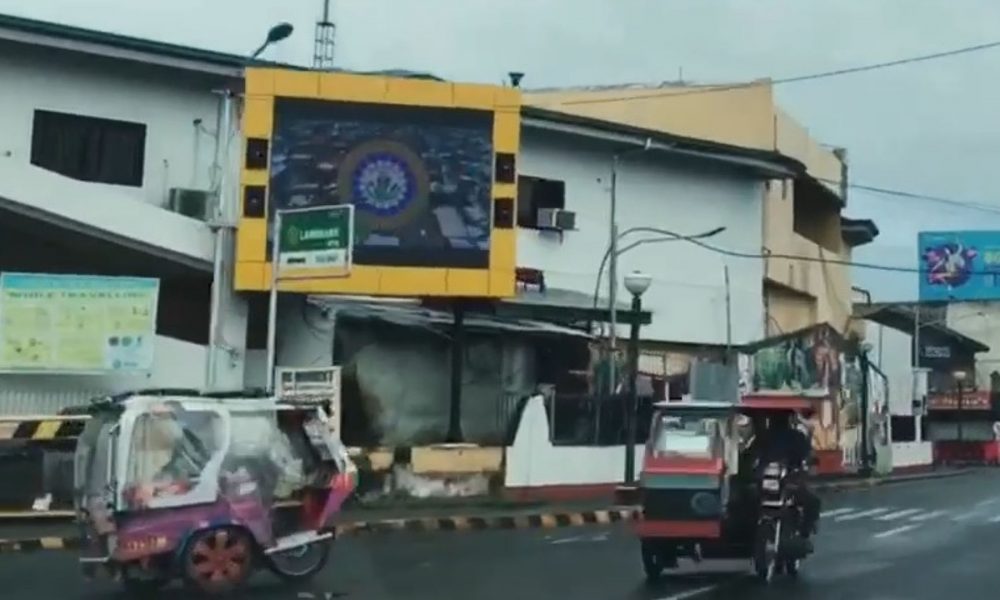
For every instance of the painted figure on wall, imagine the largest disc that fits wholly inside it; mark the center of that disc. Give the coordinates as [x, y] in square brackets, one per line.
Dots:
[811, 362]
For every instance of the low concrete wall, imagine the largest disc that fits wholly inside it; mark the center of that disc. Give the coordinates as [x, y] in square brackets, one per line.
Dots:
[906, 455]
[535, 468]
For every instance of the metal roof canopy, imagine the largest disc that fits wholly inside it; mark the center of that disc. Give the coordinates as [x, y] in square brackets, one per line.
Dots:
[411, 313]
[565, 306]
[903, 317]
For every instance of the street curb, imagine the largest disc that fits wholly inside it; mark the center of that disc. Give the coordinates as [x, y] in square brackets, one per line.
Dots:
[540, 520]
[853, 484]
[556, 520]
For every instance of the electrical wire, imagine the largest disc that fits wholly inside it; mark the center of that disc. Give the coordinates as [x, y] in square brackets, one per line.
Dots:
[797, 78]
[920, 196]
[671, 237]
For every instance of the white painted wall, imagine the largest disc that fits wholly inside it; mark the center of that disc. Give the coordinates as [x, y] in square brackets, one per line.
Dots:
[980, 321]
[912, 454]
[532, 460]
[891, 352]
[688, 294]
[177, 153]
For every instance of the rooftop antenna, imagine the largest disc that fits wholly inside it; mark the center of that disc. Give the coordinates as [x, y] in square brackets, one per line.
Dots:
[326, 30]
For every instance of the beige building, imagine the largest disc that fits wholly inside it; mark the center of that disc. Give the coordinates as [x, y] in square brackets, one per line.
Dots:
[802, 216]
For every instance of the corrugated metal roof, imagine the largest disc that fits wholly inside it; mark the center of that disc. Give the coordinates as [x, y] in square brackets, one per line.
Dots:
[414, 315]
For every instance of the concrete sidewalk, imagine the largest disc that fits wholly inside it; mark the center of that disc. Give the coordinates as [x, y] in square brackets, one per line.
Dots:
[24, 532]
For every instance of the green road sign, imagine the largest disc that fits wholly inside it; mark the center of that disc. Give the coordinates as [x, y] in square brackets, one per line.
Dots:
[316, 238]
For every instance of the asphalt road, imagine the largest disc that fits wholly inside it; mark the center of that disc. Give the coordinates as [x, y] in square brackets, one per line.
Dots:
[911, 541]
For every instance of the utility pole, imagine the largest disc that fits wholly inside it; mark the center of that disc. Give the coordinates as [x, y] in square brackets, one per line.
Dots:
[865, 462]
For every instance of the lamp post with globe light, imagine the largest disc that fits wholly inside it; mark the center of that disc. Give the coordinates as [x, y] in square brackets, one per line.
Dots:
[636, 283]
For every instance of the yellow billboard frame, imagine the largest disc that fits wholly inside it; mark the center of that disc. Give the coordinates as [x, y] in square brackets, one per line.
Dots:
[264, 86]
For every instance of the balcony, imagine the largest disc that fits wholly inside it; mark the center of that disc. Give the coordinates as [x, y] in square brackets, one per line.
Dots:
[107, 212]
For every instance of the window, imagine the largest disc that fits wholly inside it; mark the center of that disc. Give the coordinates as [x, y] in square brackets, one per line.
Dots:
[904, 428]
[88, 148]
[534, 193]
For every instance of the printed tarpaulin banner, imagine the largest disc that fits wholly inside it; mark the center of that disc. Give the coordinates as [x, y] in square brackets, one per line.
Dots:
[959, 265]
[77, 323]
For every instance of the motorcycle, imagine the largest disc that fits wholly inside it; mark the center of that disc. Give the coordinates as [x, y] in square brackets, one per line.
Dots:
[779, 547]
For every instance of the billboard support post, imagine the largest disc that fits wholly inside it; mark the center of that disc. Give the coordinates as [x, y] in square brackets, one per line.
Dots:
[223, 228]
[272, 305]
[311, 243]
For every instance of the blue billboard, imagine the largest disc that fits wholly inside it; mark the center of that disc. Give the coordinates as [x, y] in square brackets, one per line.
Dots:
[959, 265]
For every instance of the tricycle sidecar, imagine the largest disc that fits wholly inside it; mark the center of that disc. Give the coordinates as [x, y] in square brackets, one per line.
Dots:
[181, 485]
[702, 494]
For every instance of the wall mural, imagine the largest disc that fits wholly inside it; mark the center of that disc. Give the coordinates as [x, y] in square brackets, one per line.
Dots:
[813, 362]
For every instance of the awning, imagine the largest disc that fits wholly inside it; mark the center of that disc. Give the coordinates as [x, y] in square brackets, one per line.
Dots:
[904, 317]
[566, 307]
[410, 313]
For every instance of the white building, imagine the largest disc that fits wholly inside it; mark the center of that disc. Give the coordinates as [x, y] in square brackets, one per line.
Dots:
[111, 156]
[100, 133]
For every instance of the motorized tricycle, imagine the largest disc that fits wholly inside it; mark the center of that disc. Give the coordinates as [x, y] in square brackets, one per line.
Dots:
[206, 488]
[705, 495]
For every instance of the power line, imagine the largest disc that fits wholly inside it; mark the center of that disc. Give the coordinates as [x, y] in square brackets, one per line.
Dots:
[671, 236]
[797, 78]
[920, 196]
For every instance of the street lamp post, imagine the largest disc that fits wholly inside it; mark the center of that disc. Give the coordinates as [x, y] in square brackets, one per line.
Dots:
[636, 283]
[225, 210]
[276, 34]
[959, 380]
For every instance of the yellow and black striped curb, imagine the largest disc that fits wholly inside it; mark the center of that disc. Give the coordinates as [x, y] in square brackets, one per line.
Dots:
[420, 525]
[41, 428]
[37, 544]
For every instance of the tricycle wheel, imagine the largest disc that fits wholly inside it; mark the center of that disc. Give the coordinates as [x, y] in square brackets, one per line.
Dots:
[765, 563]
[655, 559]
[302, 563]
[792, 568]
[218, 561]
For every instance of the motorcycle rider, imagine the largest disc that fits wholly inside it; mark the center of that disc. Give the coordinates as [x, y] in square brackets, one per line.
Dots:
[786, 444]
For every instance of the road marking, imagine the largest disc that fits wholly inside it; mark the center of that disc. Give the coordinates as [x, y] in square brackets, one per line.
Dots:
[995, 519]
[895, 531]
[898, 514]
[835, 512]
[988, 502]
[862, 514]
[928, 516]
[690, 593]
[967, 516]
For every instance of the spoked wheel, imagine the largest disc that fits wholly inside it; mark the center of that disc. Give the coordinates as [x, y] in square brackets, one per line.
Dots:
[302, 563]
[218, 561]
[656, 559]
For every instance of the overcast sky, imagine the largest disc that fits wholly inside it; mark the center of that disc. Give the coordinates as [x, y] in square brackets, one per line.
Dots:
[931, 127]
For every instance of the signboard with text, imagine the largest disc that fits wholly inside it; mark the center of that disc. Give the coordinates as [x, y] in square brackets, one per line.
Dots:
[77, 323]
[315, 242]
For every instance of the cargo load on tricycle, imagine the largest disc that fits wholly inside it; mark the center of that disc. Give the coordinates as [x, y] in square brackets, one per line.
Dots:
[207, 488]
[728, 481]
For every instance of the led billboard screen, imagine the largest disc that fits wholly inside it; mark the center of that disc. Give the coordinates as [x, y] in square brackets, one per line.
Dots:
[420, 178]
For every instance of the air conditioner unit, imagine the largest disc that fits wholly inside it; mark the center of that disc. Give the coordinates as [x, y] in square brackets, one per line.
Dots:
[556, 218]
[197, 204]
